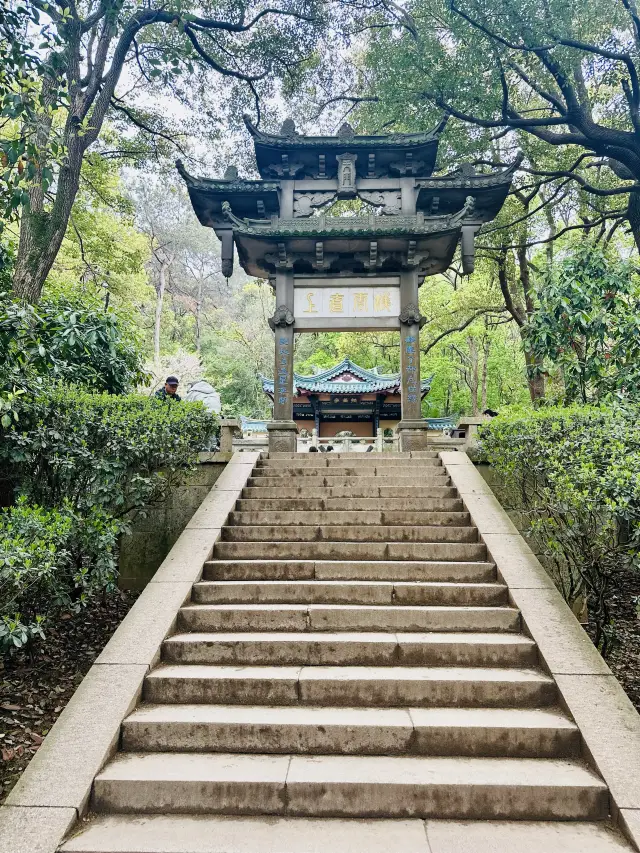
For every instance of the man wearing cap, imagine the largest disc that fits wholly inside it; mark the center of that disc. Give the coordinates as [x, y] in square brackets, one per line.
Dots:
[170, 390]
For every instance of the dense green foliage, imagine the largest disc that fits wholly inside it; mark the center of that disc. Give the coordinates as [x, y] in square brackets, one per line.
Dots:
[556, 80]
[575, 474]
[587, 324]
[51, 561]
[117, 453]
[64, 340]
[28, 56]
[83, 464]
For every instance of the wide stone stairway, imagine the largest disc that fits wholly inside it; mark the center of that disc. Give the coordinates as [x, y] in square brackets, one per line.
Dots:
[348, 676]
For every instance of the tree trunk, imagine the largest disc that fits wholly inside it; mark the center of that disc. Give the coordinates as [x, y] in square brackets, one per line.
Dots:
[633, 214]
[199, 318]
[485, 348]
[159, 301]
[42, 231]
[36, 255]
[474, 379]
[535, 376]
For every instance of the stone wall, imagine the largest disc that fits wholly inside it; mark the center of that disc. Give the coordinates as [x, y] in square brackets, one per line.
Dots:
[152, 537]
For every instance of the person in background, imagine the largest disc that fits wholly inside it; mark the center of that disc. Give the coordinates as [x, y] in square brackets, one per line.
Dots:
[170, 390]
[313, 449]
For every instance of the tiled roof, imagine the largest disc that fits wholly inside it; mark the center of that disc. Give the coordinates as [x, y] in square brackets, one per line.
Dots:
[364, 381]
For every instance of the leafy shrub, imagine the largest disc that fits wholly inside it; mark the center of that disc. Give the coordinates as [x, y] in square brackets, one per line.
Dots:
[575, 474]
[115, 453]
[51, 560]
[60, 340]
[586, 323]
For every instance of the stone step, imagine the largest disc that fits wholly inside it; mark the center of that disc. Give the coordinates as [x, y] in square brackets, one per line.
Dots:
[387, 456]
[431, 473]
[321, 730]
[363, 461]
[360, 488]
[352, 649]
[361, 686]
[155, 833]
[351, 786]
[455, 571]
[439, 480]
[345, 617]
[345, 550]
[304, 504]
[349, 592]
[363, 517]
[349, 533]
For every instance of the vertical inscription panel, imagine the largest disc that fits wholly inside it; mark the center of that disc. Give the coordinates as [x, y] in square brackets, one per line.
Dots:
[283, 385]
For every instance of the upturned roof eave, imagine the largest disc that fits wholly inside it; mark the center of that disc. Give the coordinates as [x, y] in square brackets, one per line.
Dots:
[300, 141]
[455, 180]
[370, 382]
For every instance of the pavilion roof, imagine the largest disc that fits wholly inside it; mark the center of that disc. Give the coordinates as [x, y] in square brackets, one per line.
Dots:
[364, 226]
[387, 150]
[346, 137]
[346, 378]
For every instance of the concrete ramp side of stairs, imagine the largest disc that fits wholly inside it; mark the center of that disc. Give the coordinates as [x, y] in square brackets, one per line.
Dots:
[54, 791]
[342, 654]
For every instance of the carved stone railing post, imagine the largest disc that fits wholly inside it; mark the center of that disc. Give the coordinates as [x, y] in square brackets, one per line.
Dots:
[229, 427]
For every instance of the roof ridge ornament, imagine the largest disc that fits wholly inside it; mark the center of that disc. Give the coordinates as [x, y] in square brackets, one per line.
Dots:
[183, 172]
[467, 211]
[288, 128]
[231, 173]
[345, 131]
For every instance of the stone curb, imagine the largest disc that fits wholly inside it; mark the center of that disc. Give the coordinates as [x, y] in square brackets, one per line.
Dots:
[608, 722]
[54, 790]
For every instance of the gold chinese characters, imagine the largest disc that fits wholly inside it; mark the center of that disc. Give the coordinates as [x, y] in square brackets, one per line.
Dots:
[336, 303]
[311, 308]
[382, 301]
[344, 302]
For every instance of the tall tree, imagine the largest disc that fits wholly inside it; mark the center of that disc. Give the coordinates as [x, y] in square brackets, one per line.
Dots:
[96, 41]
[560, 79]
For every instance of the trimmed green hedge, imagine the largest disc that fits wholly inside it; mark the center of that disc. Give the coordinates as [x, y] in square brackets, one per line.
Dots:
[114, 452]
[575, 474]
[82, 465]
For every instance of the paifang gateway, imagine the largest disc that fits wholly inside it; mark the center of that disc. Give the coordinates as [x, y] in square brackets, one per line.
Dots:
[347, 272]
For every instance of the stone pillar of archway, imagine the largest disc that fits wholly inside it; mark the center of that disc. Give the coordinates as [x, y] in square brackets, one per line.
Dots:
[412, 429]
[282, 430]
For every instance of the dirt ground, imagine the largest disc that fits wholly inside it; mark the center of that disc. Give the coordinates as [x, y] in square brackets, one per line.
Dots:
[35, 688]
[624, 659]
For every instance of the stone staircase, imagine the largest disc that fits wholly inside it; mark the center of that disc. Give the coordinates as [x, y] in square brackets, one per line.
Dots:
[348, 654]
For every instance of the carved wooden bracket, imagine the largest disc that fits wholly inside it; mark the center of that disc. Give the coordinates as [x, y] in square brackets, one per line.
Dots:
[305, 202]
[389, 200]
[282, 318]
[411, 316]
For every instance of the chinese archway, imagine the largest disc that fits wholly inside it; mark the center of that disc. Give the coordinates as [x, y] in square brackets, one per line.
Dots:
[347, 272]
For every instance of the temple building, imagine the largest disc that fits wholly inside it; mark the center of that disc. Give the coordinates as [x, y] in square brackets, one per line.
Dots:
[346, 397]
